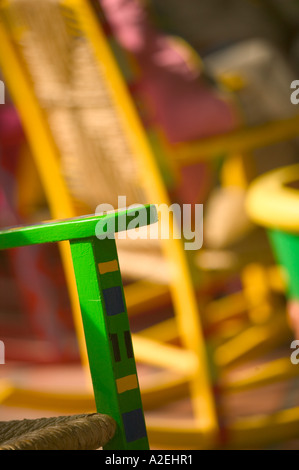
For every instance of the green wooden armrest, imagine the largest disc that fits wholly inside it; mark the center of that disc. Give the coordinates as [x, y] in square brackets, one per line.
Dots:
[77, 228]
[103, 308]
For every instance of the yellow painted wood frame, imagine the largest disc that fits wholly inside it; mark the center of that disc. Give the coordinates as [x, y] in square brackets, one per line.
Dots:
[61, 205]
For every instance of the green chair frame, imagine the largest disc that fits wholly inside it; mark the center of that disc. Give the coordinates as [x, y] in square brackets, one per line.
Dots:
[103, 308]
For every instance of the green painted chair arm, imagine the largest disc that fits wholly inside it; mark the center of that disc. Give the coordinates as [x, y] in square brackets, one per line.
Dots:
[78, 227]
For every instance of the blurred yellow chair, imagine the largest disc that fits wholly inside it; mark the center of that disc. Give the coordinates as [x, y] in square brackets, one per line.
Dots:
[50, 124]
[272, 202]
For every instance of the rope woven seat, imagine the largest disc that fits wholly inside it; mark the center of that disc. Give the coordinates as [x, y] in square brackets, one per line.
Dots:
[79, 432]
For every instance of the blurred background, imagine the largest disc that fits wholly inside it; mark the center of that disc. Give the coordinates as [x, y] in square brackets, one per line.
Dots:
[161, 102]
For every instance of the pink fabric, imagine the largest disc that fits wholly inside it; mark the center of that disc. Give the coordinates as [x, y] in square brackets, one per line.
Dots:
[181, 102]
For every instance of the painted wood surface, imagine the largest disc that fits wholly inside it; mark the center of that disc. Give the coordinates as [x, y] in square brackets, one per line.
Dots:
[103, 309]
[78, 227]
[108, 339]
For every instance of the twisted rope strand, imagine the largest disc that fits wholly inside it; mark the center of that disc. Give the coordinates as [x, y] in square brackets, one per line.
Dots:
[80, 432]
